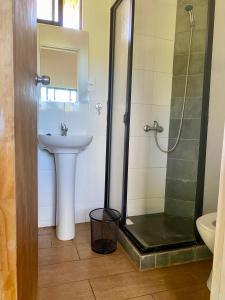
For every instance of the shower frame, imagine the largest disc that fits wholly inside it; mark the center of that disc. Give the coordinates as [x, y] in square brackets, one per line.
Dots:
[203, 131]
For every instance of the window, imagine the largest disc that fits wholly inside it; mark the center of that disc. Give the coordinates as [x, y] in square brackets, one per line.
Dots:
[67, 13]
[48, 11]
[51, 94]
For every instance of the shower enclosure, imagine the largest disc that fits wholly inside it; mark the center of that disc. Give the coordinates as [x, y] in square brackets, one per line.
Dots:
[160, 61]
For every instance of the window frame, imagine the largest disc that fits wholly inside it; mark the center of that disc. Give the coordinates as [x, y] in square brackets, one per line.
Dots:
[69, 90]
[60, 16]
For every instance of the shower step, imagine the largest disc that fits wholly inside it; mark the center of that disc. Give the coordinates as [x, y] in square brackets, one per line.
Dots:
[165, 258]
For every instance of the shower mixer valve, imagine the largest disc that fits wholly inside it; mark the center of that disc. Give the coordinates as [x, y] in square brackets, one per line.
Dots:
[156, 127]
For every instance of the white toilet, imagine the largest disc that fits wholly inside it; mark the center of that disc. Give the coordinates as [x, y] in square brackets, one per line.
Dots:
[207, 228]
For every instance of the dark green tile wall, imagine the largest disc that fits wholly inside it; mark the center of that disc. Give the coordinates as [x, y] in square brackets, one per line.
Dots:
[182, 163]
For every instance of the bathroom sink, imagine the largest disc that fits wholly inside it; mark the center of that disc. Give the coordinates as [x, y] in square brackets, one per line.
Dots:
[65, 150]
[64, 144]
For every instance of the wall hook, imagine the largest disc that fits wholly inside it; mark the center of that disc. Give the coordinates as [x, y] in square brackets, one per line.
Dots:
[99, 108]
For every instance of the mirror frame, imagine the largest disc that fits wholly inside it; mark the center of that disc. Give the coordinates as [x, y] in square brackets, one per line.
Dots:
[57, 37]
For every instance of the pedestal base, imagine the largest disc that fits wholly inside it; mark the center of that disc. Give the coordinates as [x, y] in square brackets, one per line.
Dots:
[65, 206]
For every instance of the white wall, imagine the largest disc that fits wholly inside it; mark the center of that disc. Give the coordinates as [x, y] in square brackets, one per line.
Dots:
[154, 36]
[82, 118]
[216, 112]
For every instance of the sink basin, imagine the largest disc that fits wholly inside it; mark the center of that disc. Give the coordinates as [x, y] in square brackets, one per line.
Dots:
[64, 144]
[65, 150]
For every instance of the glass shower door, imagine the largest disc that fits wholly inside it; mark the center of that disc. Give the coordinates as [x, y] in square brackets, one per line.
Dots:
[157, 126]
[119, 102]
[166, 112]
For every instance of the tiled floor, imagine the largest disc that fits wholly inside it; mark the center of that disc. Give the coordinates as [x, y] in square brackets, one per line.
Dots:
[70, 270]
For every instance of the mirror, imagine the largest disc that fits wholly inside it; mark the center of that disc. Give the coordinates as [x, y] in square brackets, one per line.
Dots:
[63, 56]
[62, 67]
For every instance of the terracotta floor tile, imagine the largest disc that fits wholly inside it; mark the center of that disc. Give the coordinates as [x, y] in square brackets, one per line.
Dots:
[83, 227]
[190, 293]
[82, 237]
[134, 284]
[73, 291]
[83, 269]
[85, 252]
[46, 231]
[199, 270]
[44, 241]
[57, 243]
[57, 255]
[147, 297]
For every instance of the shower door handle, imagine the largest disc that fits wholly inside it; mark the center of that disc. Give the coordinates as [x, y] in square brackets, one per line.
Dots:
[125, 118]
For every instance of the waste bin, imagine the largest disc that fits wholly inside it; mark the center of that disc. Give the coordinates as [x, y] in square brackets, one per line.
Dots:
[104, 230]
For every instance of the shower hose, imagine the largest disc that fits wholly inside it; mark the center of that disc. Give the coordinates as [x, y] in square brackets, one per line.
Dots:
[184, 102]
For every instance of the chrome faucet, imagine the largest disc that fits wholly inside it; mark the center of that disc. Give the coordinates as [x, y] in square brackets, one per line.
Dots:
[156, 127]
[64, 129]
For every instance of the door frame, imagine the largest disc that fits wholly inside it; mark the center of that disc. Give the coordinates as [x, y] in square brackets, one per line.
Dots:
[218, 276]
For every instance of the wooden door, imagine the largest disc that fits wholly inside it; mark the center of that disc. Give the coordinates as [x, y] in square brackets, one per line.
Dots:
[18, 150]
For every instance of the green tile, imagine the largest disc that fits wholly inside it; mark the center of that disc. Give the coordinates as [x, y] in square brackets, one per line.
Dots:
[194, 89]
[201, 14]
[196, 64]
[181, 189]
[193, 107]
[195, 3]
[195, 86]
[147, 262]
[162, 260]
[202, 252]
[129, 248]
[190, 128]
[180, 64]
[178, 86]
[176, 207]
[181, 169]
[186, 149]
[181, 256]
[182, 42]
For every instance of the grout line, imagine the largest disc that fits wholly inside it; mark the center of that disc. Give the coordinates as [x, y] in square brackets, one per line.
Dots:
[190, 75]
[152, 294]
[74, 245]
[182, 139]
[56, 263]
[185, 118]
[86, 259]
[182, 159]
[92, 289]
[85, 279]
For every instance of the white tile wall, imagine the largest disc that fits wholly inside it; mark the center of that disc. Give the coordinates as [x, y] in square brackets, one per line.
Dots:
[151, 98]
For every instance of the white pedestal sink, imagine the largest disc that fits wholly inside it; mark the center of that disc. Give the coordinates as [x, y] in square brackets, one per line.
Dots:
[65, 150]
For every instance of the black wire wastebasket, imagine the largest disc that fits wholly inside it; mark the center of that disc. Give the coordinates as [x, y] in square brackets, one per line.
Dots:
[104, 230]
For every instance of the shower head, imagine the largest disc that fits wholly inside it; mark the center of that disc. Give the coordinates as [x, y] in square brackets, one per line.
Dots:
[189, 9]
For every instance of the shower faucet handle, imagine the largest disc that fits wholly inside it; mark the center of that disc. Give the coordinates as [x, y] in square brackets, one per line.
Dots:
[156, 127]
